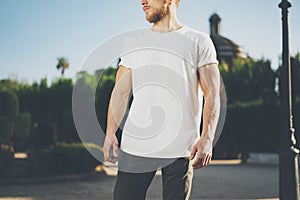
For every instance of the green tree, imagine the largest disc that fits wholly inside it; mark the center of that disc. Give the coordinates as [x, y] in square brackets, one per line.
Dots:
[9, 109]
[62, 65]
[22, 130]
[37, 100]
[7, 84]
[103, 93]
[14, 126]
[60, 116]
[249, 80]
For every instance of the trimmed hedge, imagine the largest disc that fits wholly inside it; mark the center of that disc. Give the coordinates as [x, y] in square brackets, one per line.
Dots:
[6, 160]
[63, 158]
[253, 128]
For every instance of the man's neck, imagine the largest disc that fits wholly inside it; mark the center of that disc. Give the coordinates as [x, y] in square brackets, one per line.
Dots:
[168, 24]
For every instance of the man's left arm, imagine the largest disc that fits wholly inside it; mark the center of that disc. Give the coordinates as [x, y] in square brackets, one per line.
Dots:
[209, 81]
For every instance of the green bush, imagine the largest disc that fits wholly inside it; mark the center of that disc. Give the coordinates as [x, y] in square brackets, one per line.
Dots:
[255, 127]
[6, 160]
[73, 158]
[22, 131]
[14, 126]
[9, 103]
[63, 158]
[6, 129]
[9, 109]
[42, 136]
[39, 162]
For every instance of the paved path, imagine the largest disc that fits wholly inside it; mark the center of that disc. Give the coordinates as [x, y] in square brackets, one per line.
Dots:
[216, 181]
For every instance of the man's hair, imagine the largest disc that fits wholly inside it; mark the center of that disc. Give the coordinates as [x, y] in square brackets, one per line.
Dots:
[177, 3]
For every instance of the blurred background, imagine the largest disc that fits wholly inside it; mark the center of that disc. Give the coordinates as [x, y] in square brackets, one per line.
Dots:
[42, 47]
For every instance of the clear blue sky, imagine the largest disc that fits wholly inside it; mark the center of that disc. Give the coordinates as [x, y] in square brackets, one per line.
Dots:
[34, 33]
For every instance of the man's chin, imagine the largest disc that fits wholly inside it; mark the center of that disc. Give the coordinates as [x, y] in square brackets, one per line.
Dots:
[149, 20]
[152, 18]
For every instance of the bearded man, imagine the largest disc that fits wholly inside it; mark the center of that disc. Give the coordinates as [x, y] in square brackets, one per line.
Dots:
[182, 65]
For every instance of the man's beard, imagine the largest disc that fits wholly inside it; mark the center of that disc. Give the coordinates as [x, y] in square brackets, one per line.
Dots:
[158, 14]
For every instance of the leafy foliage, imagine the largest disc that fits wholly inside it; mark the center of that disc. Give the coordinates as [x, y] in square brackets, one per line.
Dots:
[6, 158]
[43, 114]
[62, 65]
[248, 80]
[9, 104]
[63, 158]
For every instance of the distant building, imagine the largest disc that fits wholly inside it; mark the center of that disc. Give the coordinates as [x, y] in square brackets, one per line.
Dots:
[226, 49]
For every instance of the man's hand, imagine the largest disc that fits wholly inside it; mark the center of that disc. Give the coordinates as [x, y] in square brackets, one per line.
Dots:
[111, 141]
[203, 151]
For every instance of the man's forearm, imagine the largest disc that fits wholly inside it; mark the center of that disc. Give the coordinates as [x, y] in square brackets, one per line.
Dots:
[118, 100]
[211, 112]
[210, 81]
[116, 110]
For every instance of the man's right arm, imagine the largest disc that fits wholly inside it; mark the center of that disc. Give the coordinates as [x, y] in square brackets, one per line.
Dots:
[116, 111]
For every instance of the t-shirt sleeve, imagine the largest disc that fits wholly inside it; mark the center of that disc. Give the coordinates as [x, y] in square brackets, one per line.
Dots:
[126, 53]
[207, 53]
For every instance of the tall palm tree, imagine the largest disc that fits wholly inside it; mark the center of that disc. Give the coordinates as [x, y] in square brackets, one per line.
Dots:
[62, 65]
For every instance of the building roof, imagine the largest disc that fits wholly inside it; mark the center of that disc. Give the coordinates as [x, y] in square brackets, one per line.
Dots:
[226, 48]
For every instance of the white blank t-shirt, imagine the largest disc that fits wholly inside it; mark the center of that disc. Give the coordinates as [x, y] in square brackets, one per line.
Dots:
[165, 115]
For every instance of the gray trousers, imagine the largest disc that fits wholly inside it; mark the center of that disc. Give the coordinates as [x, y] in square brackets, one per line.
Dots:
[132, 182]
